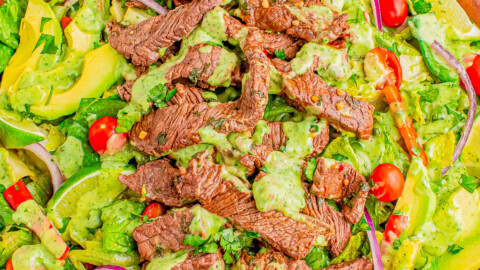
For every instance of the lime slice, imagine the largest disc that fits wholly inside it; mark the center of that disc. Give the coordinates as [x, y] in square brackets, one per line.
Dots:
[471, 153]
[452, 13]
[63, 203]
[16, 132]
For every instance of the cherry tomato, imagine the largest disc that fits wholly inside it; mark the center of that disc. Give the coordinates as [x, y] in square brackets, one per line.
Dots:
[9, 265]
[103, 138]
[388, 182]
[65, 22]
[474, 74]
[267, 54]
[395, 226]
[88, 266]
[154, 210]
[394, 12]
[390, 60]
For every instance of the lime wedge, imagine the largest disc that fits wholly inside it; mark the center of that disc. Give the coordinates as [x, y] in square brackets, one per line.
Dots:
[471, 153]
[63, 203]
[16, 132]
[449, 11]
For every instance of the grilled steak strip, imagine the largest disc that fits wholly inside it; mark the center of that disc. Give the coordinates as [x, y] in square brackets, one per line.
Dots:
[357, 264]
[270, 260]
[141, 42]
[310, 92]
[339, 180]
[320, 209]
[178, 126]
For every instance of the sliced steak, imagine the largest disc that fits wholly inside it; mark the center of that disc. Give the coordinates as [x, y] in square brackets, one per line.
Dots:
[155, 180]
[125, 90]
[277, 16]
[175, 127]
[186, 94]
[357, 264]
[280, 65]
[339, 180]
[271, 41]
[164, 235]
[205, 261]
[141, 42]
[270, 260]
[320, 209]
[309, 91]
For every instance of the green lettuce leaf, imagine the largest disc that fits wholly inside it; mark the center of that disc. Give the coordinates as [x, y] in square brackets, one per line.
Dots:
[11, 13]
[5, 54]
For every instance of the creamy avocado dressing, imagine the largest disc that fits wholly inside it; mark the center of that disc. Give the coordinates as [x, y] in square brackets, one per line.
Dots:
[261, 129]
[300, 136]
[333, 63]
[281, 188]
[321, 13]
[184, 155]
[204, 223]
[67, 162]
[34, 257]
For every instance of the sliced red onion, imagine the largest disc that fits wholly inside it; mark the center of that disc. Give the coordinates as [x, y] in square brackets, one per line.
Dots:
[47, 158]
[402, 27]
[110, 267]
[377, 14]
[462, 73]
[154, 5]
[372, 238]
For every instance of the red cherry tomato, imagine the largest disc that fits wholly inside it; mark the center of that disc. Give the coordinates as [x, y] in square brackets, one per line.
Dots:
[9, 265]
[390, 60]
[394, 12]
[65, 22]
[154, 210]
[103, 138]
[388, 182]
[474, 74]
[395, 226]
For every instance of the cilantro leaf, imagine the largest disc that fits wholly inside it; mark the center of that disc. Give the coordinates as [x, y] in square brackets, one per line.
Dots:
[310, 169]
[170, 94]
[454, 249]
[233, 243]
[422, 6]
[157, 95]
[339, 157]
[469, 183]
[43, 21]
[49, 46]
[280, 54]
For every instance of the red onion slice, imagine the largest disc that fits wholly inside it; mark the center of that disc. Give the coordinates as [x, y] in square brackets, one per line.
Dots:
[47, 158]
[154, 5]
[372, 238]
[462, 73]
[110, 267]
[376, 13]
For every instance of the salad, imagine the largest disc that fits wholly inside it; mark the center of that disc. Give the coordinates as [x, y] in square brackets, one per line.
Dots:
[239, 134]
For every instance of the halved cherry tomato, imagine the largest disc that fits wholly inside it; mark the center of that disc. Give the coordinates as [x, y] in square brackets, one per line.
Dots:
[474, 73]
[154, 210]
[17, 194]
[267, 54]
[395, 226]
[388, 182]
[9, 265]
[103, 138]
[65, 22]
[390, 60]
[394, 12]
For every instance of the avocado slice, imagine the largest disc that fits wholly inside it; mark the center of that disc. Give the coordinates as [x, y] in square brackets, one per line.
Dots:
[466, 259]
[102, 67]
[27, 56]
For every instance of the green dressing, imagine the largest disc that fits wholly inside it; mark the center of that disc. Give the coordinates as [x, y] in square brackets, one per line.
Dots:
[168, 262]
[204, 223]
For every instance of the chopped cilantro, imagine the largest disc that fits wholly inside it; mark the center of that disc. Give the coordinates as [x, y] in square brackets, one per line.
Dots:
[203, 245]
[469, 183]
[170, 94]
[43, 21]
[422, 6]
[283, 149]
[157, 95]
[233, 244]
[310, 169]
[454, 249]
[49, 46]
[194, 240]
[339, 157]
[280, 54]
